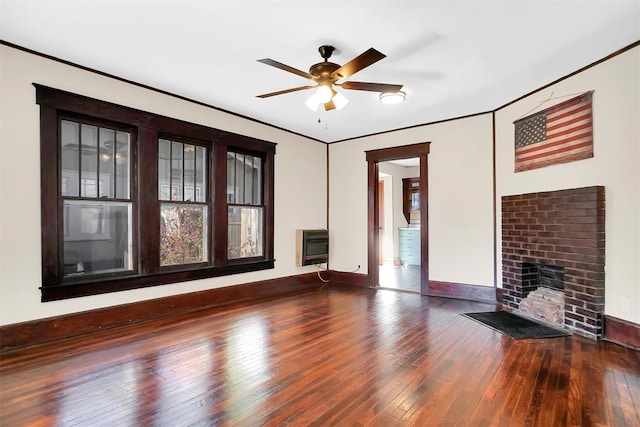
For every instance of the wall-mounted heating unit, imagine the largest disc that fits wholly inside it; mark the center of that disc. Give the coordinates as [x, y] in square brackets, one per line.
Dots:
[312, 247]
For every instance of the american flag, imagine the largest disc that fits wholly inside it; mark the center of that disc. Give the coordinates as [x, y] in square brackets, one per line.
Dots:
[562, 133]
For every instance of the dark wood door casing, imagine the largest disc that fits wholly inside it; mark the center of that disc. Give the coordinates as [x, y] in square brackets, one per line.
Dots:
[374, 157]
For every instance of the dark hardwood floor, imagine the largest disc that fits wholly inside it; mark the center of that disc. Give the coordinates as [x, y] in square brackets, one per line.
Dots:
[336, 356]
[405, 277]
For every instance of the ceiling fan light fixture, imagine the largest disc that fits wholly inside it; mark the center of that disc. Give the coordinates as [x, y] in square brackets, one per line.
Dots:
[392, 98]
[326, 76]
[324, 93]
[313, 102]
[340, 101]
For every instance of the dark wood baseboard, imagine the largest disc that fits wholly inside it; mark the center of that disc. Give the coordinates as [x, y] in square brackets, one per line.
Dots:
[462, 291]
[436, 288]
[54, 328]
[622, 332]
[349, 279]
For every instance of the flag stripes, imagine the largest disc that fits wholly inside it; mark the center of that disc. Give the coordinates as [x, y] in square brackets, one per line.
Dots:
[559, 134]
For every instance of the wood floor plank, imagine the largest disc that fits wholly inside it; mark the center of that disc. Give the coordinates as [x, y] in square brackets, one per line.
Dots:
[338, 356]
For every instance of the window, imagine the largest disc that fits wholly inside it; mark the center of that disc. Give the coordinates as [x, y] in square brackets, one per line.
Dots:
[95, 193]
[132, 199]
[244, 198]
[182, 172]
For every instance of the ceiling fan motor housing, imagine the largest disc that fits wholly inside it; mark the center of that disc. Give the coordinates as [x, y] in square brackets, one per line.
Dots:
[323, 70]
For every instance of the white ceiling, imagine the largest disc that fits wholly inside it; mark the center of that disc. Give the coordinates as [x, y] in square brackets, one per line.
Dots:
[454, 57]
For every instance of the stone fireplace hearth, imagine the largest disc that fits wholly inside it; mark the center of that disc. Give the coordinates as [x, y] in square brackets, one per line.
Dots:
[558, 234]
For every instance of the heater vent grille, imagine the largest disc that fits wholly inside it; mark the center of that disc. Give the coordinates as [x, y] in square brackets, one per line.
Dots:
[312, 247]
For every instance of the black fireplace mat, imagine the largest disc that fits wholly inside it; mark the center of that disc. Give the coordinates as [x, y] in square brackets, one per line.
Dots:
[514, 326]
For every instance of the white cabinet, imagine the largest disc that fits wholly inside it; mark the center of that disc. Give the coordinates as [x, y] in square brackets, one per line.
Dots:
[409, 245]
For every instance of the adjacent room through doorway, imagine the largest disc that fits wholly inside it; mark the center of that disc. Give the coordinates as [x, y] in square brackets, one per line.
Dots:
[399, 224]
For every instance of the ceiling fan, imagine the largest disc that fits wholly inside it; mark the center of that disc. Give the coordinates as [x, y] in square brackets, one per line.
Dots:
[326, 75]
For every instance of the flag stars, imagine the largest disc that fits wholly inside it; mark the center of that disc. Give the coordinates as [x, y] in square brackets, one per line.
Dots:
[531, 130]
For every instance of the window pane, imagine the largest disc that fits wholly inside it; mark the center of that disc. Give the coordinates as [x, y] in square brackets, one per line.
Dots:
[257, 181]
[70, 156]
[164, 169]
[244, 179]
[201, 174]
[189, 172]
[123, 161]
[231, 177]
[88, 161]
[107, 148]
[245, 232]
[97, 237]
[248, 179]
[176, 171]
[183, 231]
[91, 220]
[239, 187]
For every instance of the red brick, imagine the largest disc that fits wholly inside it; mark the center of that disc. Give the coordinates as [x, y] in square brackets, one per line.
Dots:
[586, 313]
[574, 316]
[553, 227]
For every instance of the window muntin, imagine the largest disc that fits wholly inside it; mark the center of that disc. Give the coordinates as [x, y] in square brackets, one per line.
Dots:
[97, 226]
[182, 178]
[182, 171]
[244, 179]
[245, 209]
[83, 159]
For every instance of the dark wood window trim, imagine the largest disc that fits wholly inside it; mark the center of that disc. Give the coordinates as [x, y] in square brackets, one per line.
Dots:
[148, 127]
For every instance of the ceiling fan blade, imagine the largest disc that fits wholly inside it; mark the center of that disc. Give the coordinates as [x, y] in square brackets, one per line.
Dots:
[358, 63]
[372, 87]
[329, 106]
[282, 92]
[285, 67]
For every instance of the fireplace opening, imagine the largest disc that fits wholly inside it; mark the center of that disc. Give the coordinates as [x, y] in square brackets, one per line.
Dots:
[551, 276]
[543, 288]
[537, 275]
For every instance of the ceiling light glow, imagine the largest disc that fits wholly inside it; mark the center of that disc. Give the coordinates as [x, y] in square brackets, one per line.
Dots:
[313, 102]
[392, 98]
[340, 101]
[324, 94]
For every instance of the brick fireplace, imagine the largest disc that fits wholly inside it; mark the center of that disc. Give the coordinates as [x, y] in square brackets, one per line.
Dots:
[562, 230]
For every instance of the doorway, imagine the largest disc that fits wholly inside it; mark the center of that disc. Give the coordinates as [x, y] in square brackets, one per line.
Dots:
[374, 159]
[399, 224]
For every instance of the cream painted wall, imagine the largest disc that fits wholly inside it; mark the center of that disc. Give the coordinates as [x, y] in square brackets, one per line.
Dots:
[460, 198]
[299, 203]
[616, 165]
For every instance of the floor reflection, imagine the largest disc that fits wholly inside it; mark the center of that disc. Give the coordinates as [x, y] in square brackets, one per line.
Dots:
[405, 277]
